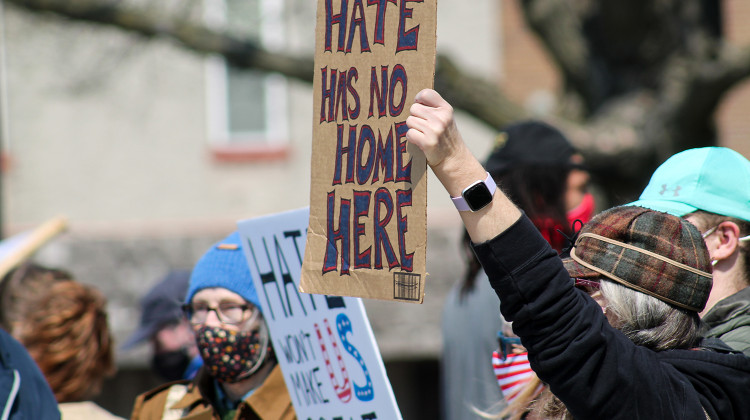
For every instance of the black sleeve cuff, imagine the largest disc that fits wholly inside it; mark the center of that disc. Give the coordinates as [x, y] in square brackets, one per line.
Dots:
[520, 265]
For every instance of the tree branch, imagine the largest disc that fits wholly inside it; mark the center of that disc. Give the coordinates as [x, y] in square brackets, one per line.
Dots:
[731, 67]
[472, 94]
[692, 88]
[480, 98]
[240, 52]
[556, 24]
[615, 138]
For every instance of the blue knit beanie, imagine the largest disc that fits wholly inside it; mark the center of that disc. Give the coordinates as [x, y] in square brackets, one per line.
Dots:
[224, 265]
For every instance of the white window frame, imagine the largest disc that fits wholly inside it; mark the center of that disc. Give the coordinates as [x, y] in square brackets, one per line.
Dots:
[276, 133]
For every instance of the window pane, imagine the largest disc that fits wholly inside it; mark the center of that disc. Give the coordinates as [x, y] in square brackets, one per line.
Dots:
[249, 106]
[247, 100]
[244, 16]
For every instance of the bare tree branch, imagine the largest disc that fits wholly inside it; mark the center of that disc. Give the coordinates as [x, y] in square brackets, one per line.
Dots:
[692, 89]
[240, 52]
[731, 67]
[482, 99]
[650, 73]
[558, 26]
[474, 95]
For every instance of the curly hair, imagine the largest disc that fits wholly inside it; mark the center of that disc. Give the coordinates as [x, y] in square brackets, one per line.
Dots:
[63, 325]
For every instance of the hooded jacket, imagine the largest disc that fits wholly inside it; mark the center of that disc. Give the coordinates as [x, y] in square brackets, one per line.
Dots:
[590, 366]
[729, 320]
[24, 393]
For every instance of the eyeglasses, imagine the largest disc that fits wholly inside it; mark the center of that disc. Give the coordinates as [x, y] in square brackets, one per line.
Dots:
[590, 287]
[586, 284]
[708, 233]
[227, 312]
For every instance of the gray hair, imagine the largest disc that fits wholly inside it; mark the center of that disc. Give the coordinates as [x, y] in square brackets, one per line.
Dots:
[648, 321]
[645, 320]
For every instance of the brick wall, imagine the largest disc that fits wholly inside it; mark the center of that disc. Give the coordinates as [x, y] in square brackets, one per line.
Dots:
[527, 72]
[732, 116]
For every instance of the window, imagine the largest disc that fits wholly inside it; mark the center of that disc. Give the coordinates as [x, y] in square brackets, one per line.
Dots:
[247, 109]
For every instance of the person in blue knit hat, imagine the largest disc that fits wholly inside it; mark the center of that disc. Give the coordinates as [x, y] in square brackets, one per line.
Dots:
[240, 377]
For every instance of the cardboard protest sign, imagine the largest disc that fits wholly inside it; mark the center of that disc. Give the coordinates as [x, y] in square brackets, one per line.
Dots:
[368, 196]
[325, 345]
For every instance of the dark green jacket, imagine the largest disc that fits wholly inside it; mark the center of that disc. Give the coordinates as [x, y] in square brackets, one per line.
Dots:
[729, 320]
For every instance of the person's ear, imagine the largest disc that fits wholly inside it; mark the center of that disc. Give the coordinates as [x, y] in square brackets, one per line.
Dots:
[726, 241]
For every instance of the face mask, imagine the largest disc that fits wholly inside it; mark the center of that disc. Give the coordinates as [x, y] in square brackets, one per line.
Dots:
[583, 211]
[232, 356]
[170, 365]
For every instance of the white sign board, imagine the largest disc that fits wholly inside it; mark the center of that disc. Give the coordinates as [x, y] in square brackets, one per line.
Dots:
[324, 344]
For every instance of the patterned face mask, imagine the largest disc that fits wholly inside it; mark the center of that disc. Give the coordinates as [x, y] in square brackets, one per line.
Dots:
[232, 356]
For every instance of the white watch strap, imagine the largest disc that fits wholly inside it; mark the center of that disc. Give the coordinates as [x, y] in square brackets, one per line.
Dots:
[461, 203]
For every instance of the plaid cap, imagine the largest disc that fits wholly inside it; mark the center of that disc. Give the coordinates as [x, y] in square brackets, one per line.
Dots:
[652, 252]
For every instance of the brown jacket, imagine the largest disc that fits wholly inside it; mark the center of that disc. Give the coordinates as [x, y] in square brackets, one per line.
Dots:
[192, 400]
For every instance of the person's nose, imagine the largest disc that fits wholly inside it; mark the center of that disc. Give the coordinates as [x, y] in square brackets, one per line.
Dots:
[212, 319]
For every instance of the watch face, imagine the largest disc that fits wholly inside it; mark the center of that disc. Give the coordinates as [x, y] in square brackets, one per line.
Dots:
[477, 196]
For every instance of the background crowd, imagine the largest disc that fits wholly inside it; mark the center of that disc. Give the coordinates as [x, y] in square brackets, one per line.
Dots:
[668, 271]
[80, 94]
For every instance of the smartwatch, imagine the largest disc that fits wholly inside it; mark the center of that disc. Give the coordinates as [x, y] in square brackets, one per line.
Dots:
[476, 196]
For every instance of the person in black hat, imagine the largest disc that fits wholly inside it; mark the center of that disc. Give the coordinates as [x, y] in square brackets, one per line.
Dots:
[543, 174]
[163, 324]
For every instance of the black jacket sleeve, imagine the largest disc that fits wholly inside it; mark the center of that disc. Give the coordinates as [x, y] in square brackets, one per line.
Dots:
[594, 369]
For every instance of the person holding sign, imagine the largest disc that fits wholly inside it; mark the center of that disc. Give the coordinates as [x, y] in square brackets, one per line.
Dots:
[635, 354]
[241, 378]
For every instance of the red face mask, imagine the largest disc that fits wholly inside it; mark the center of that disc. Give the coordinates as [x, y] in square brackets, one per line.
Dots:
[583, 211]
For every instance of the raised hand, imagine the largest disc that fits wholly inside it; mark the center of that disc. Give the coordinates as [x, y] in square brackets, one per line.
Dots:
[432, 128]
